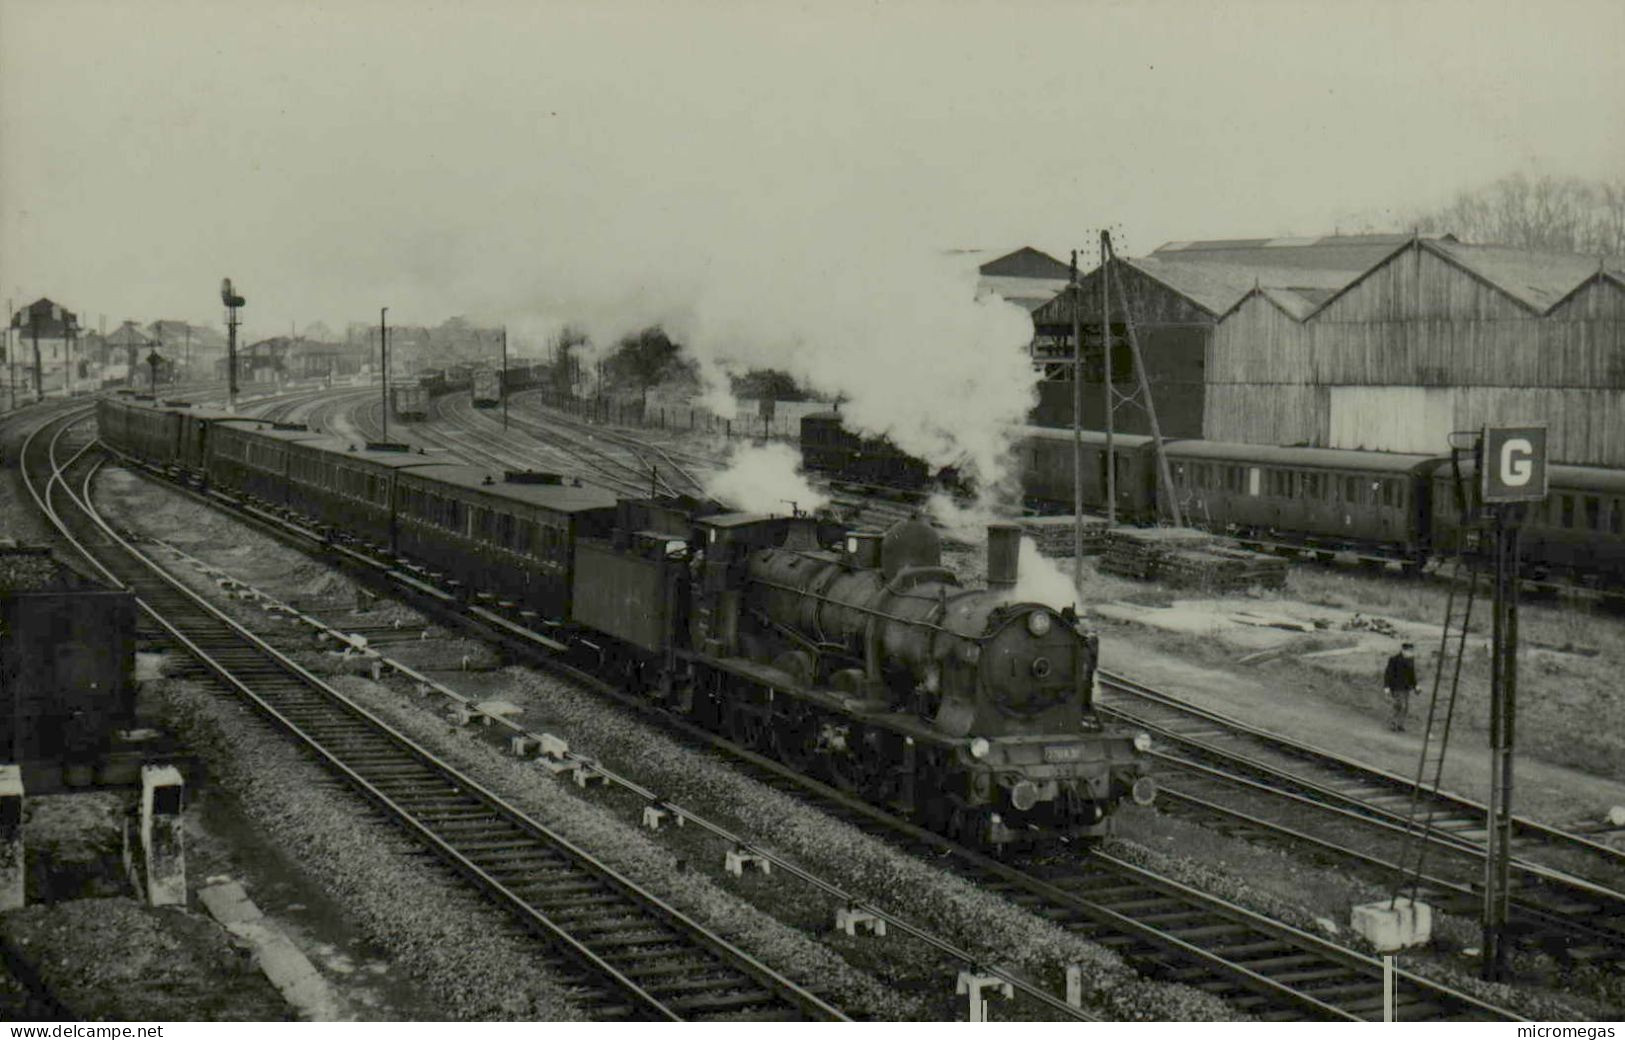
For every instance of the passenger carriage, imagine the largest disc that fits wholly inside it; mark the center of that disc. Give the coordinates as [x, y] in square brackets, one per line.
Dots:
[509, 537]
[1047, 470]
[1322, 499]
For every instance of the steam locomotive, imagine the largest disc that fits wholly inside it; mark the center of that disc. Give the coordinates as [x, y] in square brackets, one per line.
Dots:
[851, 655]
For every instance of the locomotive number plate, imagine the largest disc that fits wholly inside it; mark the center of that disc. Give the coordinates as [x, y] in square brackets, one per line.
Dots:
[1063, 753]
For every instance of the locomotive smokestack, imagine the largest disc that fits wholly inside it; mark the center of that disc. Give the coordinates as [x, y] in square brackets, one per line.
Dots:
[1003, 555]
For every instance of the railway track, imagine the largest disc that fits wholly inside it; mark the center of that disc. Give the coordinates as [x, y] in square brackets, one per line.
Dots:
[614, 459]
[1254, 783]
[1167, 929]
[632, 955]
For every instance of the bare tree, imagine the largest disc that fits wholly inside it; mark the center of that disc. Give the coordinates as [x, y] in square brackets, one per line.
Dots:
[1555, 214]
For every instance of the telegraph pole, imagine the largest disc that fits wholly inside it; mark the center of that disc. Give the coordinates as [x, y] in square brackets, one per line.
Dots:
[503, 387]
[1106, 378]
[1077, 430]
[383, 363]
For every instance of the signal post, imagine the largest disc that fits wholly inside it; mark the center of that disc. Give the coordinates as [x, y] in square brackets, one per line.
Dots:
[1511, 474]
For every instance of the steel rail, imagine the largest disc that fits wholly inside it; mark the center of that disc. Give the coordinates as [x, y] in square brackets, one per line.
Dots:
[1553, 900]
[1355, 978]
[1358, 770]
[719, 955]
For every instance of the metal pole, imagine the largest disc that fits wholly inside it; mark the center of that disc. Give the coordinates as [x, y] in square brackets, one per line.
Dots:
[502, 389]
[1503, 714]
[1509, 728]
[1106, 379]
[1388, 987]
[1077, 429]
[11, 350]
[231, 358]
[1492, 954]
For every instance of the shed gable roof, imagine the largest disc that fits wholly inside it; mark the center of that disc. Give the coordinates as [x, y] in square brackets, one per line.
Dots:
[1539, 281]
[1025, 262]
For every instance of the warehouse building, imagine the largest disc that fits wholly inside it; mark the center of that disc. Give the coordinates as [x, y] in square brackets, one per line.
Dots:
[1373, 342]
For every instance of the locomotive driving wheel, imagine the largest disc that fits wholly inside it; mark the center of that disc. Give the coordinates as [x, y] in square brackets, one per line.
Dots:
[747, 728]
[856, 769]
[792, 739]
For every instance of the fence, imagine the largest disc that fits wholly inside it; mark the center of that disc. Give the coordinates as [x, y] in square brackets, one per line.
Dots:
[785, 424]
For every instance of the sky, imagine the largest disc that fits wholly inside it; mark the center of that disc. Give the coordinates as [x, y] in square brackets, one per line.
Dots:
[703, 163]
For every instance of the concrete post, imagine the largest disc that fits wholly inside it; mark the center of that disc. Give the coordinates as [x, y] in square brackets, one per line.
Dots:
[971, 985]
[12, 872]
[163, 843]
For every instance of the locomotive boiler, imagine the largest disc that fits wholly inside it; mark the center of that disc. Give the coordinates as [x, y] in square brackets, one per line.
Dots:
[899, 626]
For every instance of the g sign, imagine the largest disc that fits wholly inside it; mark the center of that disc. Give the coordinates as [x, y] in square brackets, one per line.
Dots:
[1514, 464]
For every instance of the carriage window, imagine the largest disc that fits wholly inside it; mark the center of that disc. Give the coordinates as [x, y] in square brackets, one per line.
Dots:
[1351, 489]
[1568, 510]
[1616, 516]
[1593, 512]
[1312, 486]
[1253, 480]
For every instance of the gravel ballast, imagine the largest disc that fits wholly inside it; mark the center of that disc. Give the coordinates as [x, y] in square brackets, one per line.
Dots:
[982, 922]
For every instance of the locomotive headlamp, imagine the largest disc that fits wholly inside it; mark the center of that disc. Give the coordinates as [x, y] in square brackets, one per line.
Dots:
[1038, 623]
[979, 747]
[1142, 741]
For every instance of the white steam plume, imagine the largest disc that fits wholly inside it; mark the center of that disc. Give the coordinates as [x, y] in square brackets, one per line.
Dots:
[886, 322]
[1041, 580]
[764, 479]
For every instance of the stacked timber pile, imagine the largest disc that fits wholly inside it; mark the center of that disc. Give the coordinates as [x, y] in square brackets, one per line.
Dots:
[1053, 534]
[1188, 558]
[1221, 569]
[1139, 552]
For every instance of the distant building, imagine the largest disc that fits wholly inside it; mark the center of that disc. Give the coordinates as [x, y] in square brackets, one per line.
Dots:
[1376, 342]
[127, 350]
[1027, 277]
[308, 359]
[55, 331]
[261, 362]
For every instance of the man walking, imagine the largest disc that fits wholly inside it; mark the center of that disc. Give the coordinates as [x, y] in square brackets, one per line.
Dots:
[1399, 682]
